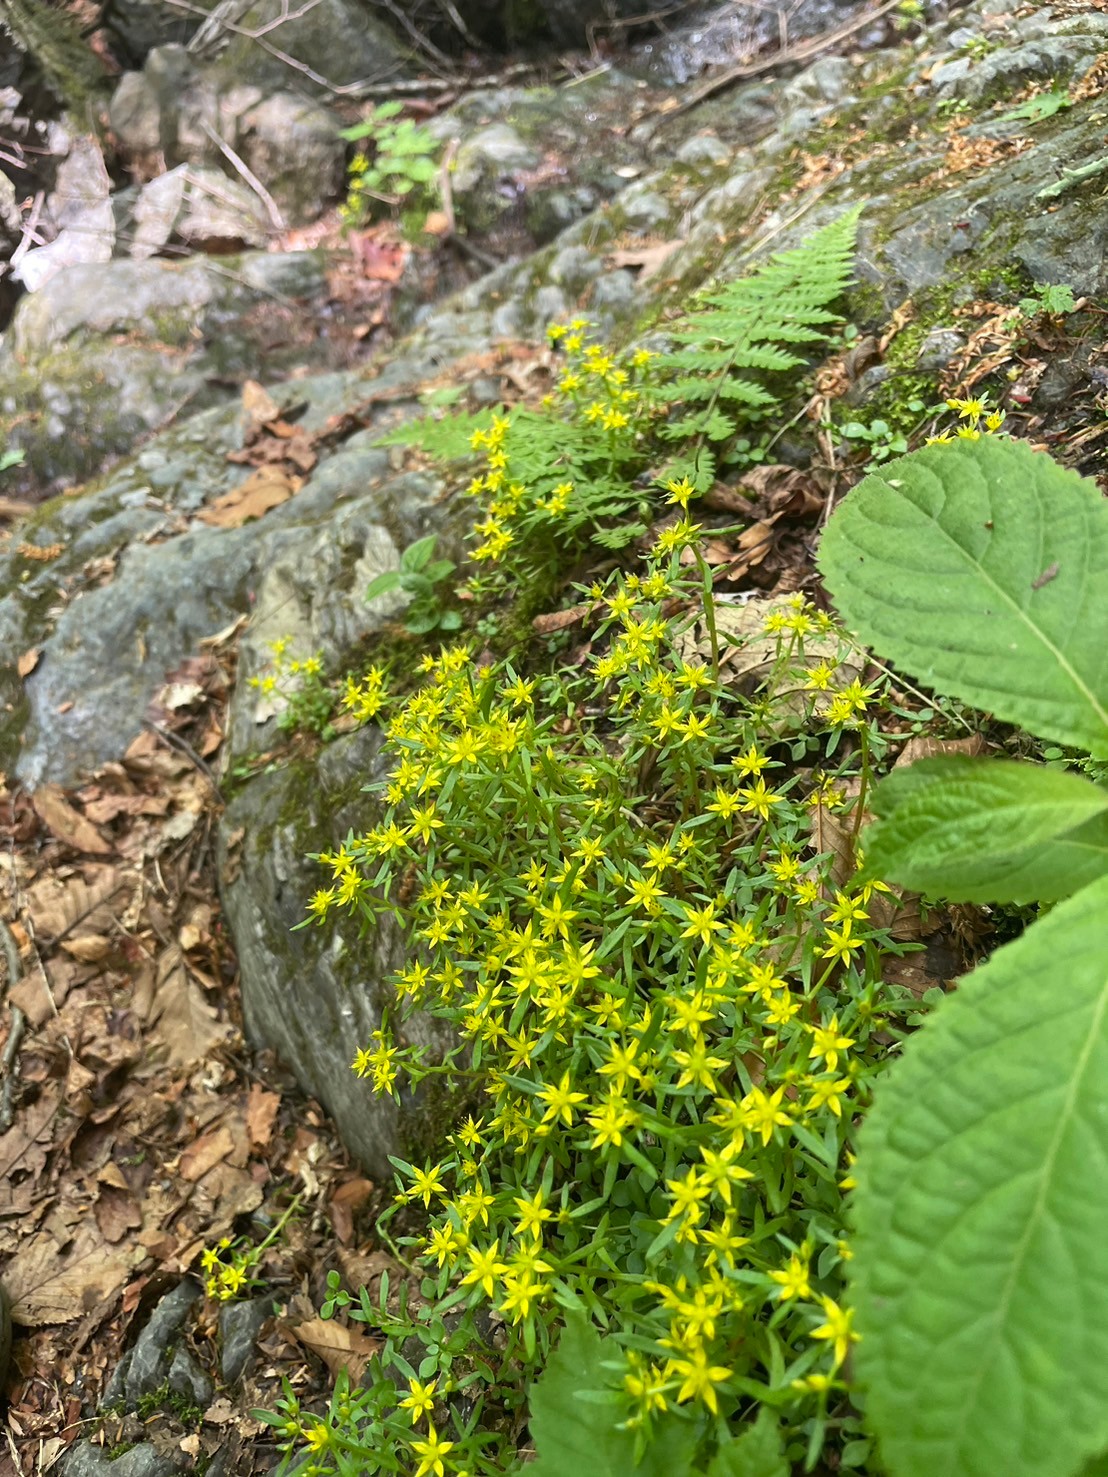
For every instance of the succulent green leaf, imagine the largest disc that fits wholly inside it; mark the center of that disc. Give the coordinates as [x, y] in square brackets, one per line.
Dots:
[980, 1274]
[980, 568]
[575, 1420]
[988, 830]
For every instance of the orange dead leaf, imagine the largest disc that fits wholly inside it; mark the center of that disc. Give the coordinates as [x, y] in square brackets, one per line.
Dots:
[205, 1153]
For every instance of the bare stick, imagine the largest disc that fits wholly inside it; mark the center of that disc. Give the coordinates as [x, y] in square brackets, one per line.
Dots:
[801, 52]
[275, 216]
[15, 1035]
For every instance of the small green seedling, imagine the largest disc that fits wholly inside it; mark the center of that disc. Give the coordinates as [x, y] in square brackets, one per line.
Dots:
[9, 459]
[1053, 300]
[419, 576]
[400, 160]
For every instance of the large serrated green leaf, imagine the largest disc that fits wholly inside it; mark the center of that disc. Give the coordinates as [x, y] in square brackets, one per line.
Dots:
[575, 1420]
[981, 567]
[988, 830]
[755, 1452]
[980, 1276]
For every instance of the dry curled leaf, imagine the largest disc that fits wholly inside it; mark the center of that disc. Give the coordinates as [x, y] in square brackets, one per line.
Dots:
[338, 1346]
[264, 489]
[66, 822]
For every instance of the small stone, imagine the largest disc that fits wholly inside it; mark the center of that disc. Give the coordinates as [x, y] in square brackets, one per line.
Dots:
[151, 1356]
[87, 1460]
[239, 1326]
[938, 349]
[188, 1379]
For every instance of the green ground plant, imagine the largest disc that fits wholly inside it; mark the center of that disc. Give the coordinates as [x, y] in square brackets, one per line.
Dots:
[10, 458]
[633, 890]
[420, 577]
[397, 167]
[979, 1280]
[300, 685]
[668, 1017]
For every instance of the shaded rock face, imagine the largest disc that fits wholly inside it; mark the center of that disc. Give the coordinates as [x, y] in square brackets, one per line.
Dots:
[701, 196]
[314, 994]
[106, 353]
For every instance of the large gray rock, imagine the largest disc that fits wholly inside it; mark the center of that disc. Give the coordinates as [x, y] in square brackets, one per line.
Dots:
[294, 148]
[79, 211]
[317, 48]
[106, 353]
[317, 994]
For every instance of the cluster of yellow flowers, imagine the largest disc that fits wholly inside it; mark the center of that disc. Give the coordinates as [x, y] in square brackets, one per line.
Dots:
[672, 1016]
[973, 413]
[599, 412]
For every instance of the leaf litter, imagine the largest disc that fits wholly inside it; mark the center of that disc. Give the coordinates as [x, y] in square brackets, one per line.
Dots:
[144, 1128]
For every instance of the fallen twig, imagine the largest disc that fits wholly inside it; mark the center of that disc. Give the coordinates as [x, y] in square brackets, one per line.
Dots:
[801, 52]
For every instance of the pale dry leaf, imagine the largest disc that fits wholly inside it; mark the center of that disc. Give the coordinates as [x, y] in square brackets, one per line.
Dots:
[207, 1151]
[66, 822]
[57, 906]
[175, 1008]
[258, 409]
[28, 661]
[264, 489]
[650, 259]
[88, 948]
[338, 1346]
[51, 1284]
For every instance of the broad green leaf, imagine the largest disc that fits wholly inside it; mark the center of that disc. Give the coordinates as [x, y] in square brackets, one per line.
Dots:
[980, 1275]
[383, 583]
[574, 1419]
[756, 1452]
[980, 567]
[988, 830]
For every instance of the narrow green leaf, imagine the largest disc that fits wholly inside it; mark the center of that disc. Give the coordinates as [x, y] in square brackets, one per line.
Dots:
[987, 830]
[980, 568]
[980, 1276]
[756, 1452]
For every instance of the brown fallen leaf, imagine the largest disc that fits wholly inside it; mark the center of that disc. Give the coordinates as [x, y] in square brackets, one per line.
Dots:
[338, 1346]
[344, 1202]
[264, 489]
[173, 1006]
[261, 1114]
[205, 1153]
[117, 1212]
[558, 620]
[48, 1283]
[66, 822]
[925, 747]
[28, 661]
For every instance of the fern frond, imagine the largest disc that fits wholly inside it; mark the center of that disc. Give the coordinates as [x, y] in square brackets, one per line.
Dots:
[446, 438]
[743, 327]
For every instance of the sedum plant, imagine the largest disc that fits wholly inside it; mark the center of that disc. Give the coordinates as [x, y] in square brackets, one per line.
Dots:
[980, 1279]
[669, 1018]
